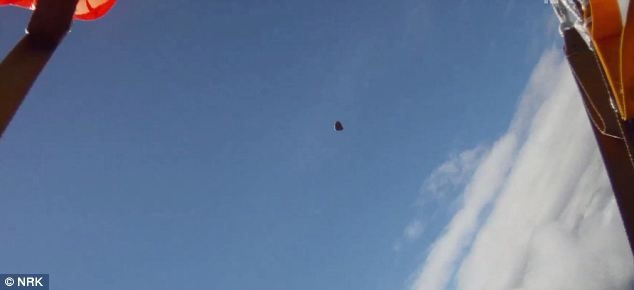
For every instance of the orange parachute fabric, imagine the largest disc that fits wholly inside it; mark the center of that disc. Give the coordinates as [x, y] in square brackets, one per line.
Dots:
[614, 43]
[85, 10]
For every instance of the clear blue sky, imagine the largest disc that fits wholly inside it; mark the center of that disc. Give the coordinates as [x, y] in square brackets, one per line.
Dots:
[189, 144]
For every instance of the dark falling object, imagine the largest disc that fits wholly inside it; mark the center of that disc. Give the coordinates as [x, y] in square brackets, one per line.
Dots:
[338, 126]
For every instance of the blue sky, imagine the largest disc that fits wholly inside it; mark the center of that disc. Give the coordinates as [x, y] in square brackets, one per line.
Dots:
[189, 144]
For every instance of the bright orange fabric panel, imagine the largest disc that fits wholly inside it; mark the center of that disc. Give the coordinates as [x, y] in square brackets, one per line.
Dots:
[606, 29]
[614, 44]
[86, 9]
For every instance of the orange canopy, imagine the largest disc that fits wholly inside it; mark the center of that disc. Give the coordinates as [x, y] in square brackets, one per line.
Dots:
[614, 43]
[86, 9]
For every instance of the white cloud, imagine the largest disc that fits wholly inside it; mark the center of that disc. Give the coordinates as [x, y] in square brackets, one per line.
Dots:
[414, 230]
[453, 173]
[553, 222]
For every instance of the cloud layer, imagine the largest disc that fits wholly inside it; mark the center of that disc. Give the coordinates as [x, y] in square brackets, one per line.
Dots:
[538, 211]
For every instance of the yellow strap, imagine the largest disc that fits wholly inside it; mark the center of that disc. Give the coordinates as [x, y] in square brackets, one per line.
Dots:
[627, 64]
